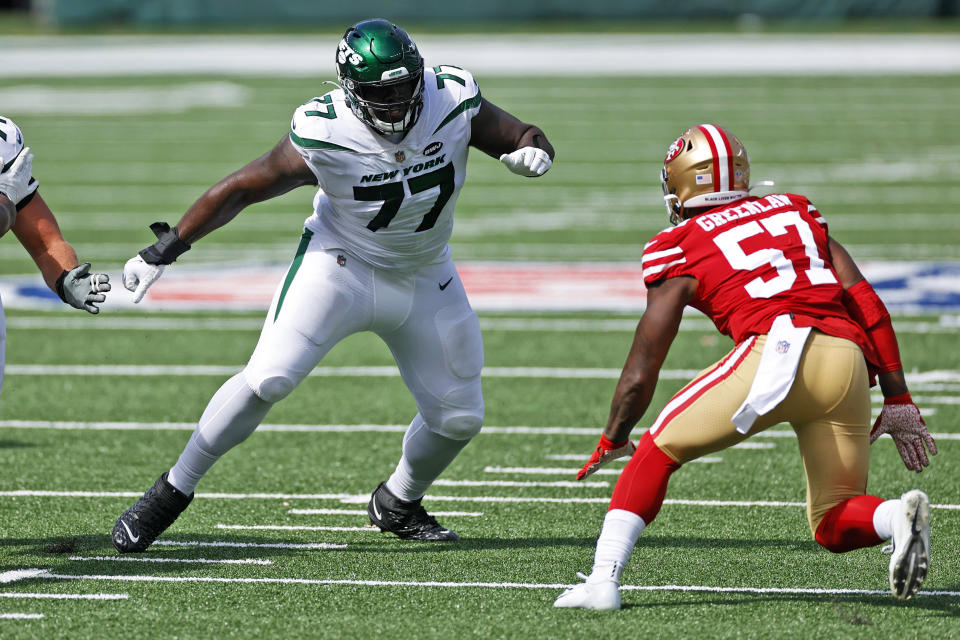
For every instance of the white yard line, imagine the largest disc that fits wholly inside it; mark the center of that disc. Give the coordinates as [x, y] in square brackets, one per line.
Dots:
[63, 596]
[19, 574]
[362, 428]
[363, 512]
[21, 616]
[292, 527]
[553, 325]
[363, 498]
[564, 471]
[213, 496]
[306, 546]
[560, 484]
[365, 372]
[171, 560]
[520, 54]
[568, 373]
[479, 585]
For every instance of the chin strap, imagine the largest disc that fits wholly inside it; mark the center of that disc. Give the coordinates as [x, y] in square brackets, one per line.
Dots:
[674, 209]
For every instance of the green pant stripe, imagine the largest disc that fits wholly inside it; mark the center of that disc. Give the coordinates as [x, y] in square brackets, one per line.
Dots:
[297, 260]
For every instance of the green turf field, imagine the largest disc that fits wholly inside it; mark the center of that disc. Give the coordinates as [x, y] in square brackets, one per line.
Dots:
[878, 156]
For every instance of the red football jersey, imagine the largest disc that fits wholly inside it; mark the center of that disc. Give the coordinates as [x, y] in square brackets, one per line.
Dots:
[755, 259]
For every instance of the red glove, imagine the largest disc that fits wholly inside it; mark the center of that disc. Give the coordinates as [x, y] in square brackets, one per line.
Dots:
[900, 418]
[604, 453]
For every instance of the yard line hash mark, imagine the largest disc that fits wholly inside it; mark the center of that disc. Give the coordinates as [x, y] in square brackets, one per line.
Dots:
[564, 471]
[292, 527]
[171, 560]
[19, 574]
[306, 546]
[362, 512]
[63, 596]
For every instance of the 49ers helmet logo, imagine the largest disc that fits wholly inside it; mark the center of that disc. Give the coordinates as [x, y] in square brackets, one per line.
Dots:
[675, 148]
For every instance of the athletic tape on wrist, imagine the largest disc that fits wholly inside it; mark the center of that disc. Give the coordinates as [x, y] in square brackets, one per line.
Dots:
[168, 246]
[59, 285]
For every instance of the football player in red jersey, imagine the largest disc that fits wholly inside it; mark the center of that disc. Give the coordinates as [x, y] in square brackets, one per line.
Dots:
[810, 332]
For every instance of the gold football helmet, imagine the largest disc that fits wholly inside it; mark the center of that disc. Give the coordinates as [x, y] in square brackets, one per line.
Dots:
[705, 167]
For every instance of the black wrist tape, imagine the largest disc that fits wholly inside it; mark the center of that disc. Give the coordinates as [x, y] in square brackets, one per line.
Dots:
[168, 246]
[59, 285]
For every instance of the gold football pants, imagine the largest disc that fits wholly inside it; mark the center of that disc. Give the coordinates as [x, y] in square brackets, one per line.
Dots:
[828, 407]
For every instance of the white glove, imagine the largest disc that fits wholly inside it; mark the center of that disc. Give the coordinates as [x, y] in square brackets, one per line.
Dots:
[527, 161]
[138, 275]
[15, 182]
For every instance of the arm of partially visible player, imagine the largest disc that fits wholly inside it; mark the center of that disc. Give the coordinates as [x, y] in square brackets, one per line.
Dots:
[8, 214]
[37, 230]
[522, 147]
[651, 341]
[899, 417]
[278, 171]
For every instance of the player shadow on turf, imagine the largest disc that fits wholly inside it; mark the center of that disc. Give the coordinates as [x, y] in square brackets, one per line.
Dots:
[472, 543]
[17, 444]
[57, 545]
[945, 605]
[661, 542]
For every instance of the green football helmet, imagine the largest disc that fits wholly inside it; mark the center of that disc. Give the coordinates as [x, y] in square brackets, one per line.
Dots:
[381, 73]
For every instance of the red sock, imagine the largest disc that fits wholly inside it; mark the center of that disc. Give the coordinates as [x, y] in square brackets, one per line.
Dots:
[643, 483]
[849, 525]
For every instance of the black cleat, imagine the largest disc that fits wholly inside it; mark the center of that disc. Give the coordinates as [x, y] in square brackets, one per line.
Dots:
[139, 526]
[407, 520]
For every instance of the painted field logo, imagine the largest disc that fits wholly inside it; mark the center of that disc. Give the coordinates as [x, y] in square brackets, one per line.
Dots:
[675, 148]
[433, 148]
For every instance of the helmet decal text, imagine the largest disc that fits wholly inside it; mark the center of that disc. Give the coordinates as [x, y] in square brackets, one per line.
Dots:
[345, 53]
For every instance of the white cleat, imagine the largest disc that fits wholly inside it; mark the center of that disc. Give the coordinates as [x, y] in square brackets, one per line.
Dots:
[600, 595]
[910, 559]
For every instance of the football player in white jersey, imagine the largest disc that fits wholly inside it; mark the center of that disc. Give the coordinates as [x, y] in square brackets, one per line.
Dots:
[388, 150]
[23, 211]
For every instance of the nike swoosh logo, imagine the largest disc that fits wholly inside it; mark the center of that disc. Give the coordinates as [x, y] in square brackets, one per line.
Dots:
[376, 511]
[130, 535]
[444, 285]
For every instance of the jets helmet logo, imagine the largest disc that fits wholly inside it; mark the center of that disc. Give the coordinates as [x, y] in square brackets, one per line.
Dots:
[675, 148]
[344, 53]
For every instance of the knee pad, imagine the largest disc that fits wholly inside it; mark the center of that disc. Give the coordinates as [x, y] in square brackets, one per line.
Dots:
[460, 426]
[459, 415]
[272, 388]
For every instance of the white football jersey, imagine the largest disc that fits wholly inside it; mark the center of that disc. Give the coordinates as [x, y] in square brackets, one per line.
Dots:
[390, 204]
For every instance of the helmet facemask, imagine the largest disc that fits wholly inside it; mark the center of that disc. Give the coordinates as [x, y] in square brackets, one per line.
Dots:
[389, 106]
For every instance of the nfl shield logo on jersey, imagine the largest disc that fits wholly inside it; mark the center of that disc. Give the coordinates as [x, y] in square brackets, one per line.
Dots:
[400, 156]
[783, 346]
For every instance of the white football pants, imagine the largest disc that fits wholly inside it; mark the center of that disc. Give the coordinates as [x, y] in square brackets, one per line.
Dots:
[423, 316]
[433, 332]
